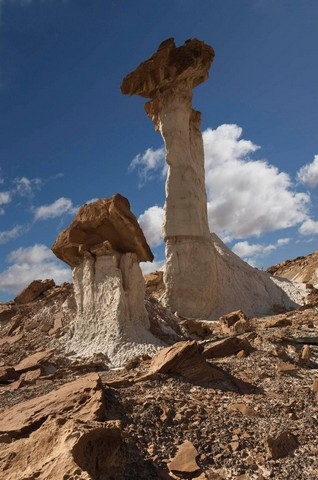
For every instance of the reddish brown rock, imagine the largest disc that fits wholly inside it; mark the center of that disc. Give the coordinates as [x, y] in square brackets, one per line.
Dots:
[278, 322]
[168, 66]
[281, 445]
[227, 347]
[185, 459]
[102, 227]
[184, 358]
[285, 367]
[231, 318]
[96, 449]
[243, 409]
[199, 328]
[7, 311]
[11, 339]
[34, 290]
[84, 395]
[154, 283]
[33, 361]
[315, 385]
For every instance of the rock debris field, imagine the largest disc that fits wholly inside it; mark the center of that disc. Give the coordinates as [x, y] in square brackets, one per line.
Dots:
[231, 399]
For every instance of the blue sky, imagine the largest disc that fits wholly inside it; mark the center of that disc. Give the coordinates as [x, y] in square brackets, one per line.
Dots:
[68, 135]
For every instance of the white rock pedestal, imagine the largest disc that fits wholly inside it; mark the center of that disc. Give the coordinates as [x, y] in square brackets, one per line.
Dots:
[111, 316]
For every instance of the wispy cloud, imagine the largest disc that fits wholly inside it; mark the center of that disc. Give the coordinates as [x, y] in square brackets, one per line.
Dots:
[26, 187]
[60, 207]
[149, 164]
[308, 174]
[7, 235]
[30, 263]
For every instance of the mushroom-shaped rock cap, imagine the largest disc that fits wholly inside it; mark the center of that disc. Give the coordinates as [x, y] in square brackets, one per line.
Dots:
[168, 66]
[101, 227]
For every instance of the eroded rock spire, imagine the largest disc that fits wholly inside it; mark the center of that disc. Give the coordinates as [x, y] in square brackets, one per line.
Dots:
[168, 78]
[203, 278]
[104, 245]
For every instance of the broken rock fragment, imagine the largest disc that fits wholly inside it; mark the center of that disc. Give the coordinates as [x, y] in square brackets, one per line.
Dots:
[34, 291]
[186, 359]
[185, 459]
[281, 445]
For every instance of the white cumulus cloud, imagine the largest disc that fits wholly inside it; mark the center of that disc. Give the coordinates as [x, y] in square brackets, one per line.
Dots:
[147, 267]
[149, 164]
[309, 227]
[247, 197]
[308, 174]
[151, 223]
[32, 263]
[247, 250]
[60, 207]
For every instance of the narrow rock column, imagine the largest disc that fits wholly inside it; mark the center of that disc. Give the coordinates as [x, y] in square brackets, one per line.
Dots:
[168, 77]
[179, 125]
[203, 278]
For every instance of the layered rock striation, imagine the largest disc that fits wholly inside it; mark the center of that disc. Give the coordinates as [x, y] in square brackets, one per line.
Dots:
[104, 245]
[202, 278]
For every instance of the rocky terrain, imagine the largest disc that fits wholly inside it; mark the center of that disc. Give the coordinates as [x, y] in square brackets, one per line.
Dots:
[234, 398]
[206, 370]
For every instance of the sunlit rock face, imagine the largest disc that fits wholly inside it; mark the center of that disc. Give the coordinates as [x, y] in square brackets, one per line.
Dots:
[201, 280]
[104, 245]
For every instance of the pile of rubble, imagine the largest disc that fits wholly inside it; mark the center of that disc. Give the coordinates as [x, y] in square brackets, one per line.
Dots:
[233, 398]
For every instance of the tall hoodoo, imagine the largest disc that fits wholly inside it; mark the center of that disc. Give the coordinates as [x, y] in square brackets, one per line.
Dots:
[168, 78]
[203, 278]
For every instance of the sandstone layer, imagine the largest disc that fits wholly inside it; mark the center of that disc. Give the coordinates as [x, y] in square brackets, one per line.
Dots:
[106, 225]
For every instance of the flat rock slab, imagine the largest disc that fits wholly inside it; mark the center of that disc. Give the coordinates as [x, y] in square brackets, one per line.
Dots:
[185, 459]
[226, 347]
[83, 395]
[184, 358]
[33, 361]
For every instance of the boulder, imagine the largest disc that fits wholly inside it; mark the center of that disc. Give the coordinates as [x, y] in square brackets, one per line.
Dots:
[226, 347]
[102, 228]
[61, 435]
[33, 361]
[280, 445]
[184, 358]
[34, 290]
